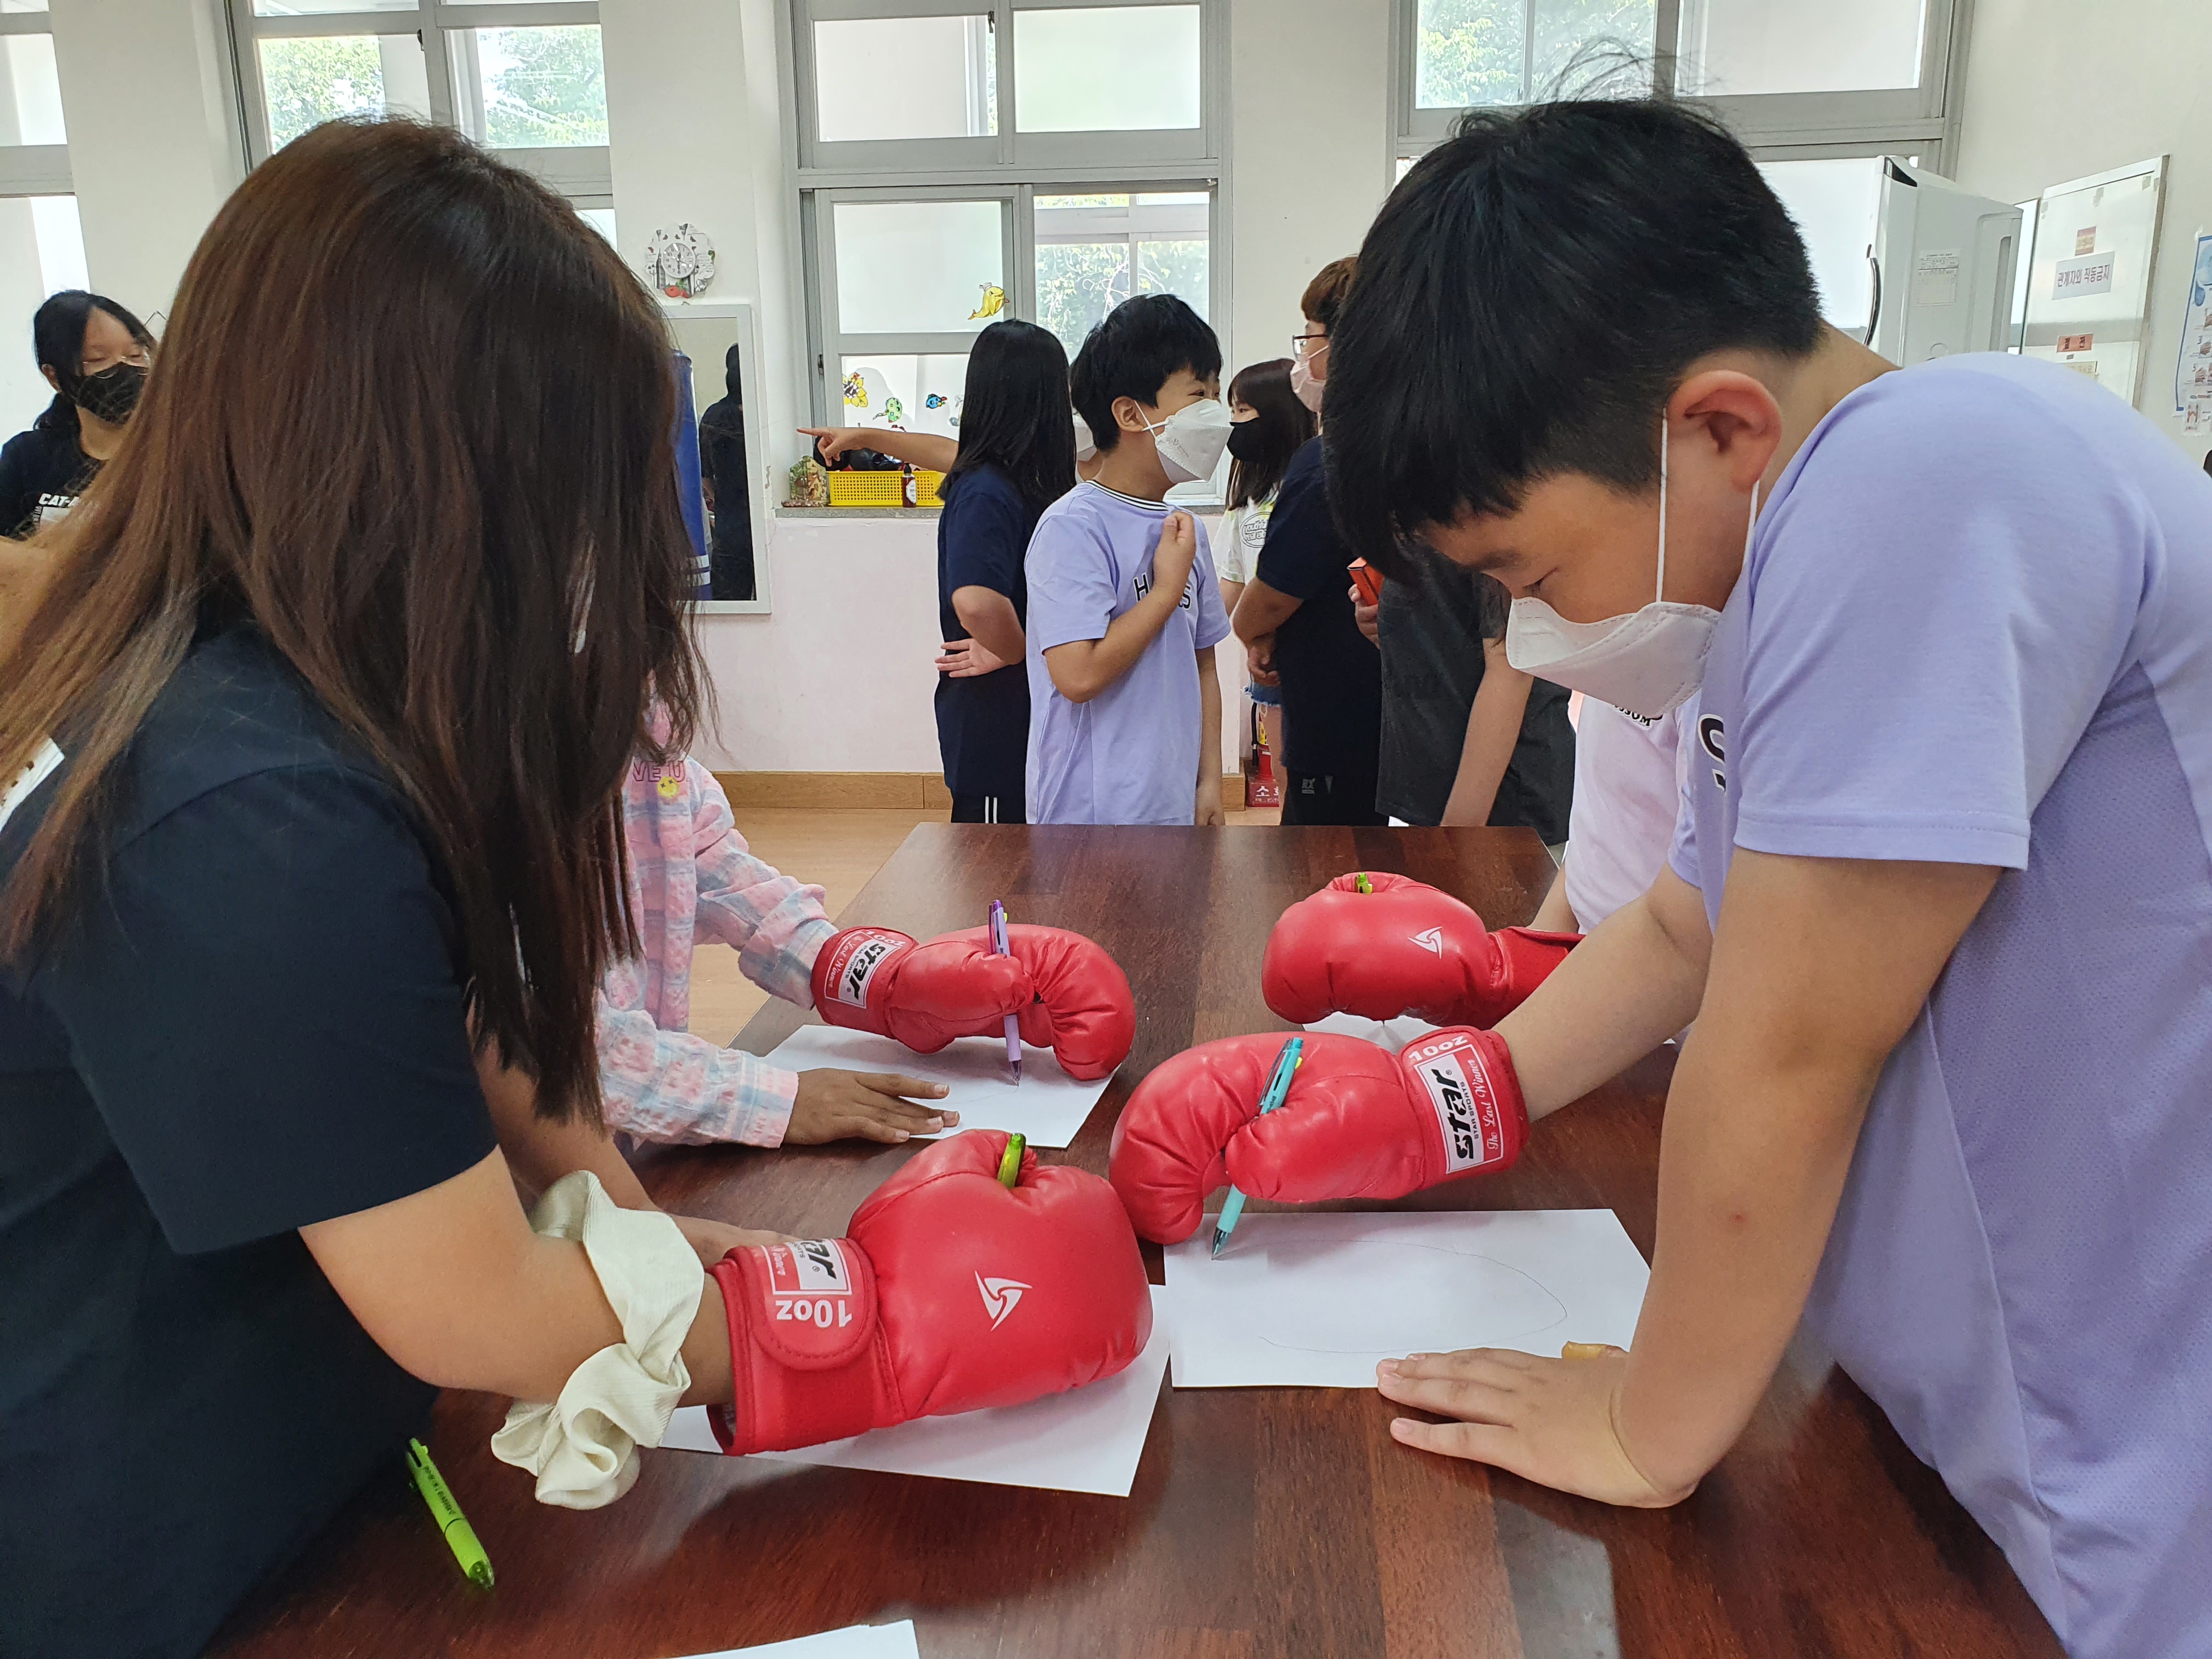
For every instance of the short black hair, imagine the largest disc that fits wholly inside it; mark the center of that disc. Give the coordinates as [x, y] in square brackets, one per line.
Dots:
[1528, 298]
[1013, 415]
[1131, 354]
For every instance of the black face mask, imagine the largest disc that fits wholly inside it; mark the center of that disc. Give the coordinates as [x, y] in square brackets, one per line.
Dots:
[110, 395]
[1245, 441]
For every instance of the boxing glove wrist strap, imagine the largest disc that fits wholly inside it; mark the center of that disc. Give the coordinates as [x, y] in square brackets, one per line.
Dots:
[1466, 1079]
[854, 973]
[805, 1363]
[583, 1446]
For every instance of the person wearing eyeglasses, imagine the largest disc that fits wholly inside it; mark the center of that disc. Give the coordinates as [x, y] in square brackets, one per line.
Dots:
[95, 356]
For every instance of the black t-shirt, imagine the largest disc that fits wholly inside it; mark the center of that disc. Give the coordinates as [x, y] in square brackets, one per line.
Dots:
[1332, 676]
[42, 472]
[1432, 627]
[983, 720]
[251, 1021]
[722, 460]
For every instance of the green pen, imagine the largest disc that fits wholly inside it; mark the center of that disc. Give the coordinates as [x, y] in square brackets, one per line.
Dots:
[475, 1565]
[1365, 885]
[1010, 1161]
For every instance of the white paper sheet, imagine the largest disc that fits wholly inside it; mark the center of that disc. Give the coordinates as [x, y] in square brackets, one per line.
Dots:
[1316, 1300]
[1391, 1034]
[853, 1642]
[1086, 1440]
[1048, 1107]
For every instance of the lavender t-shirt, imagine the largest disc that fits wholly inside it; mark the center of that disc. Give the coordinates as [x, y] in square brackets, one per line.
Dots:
[1129, 755]
[1976, 627]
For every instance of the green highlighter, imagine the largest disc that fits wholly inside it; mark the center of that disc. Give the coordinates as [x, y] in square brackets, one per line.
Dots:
[475, 1565]
[1010, 1161]
[1279, 1085]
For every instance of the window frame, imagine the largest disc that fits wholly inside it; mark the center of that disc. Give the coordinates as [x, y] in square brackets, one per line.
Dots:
[1922, 120]
[34, 169]
[1009, 166]
[579, 172]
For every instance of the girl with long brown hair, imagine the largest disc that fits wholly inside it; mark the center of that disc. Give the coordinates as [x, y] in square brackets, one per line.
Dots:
[309, 751]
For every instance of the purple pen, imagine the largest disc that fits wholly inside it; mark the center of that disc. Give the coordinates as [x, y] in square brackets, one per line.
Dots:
[1000, 947]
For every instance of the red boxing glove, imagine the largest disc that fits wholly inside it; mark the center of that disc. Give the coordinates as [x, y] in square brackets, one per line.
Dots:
[1406, 948]
[1072, 998]
[1359, 1122]
[948, 1293]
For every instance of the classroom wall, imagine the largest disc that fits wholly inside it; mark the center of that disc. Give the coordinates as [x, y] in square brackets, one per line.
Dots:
[153, 135]
[2057, 91]
[837, 679]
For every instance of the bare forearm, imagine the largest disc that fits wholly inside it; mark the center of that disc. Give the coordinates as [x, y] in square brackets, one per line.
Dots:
[1261, 610]
[1620, 994]
[1082, 668]
[1555, 914]
[1493, 728]
[988, 616]
[1209, 720]
[923, 449]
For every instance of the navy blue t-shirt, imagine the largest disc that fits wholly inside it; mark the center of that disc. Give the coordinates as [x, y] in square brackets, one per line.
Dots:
[1331, 676]
[251, 1020]
[983, 721]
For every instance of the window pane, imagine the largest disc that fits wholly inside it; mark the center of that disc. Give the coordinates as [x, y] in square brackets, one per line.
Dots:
[1106, 68]
[320, 8]
[912, 394]
[1094, 251]
[30, 91]
[22, 5]
[906, 77]
[601, 220]
[41, 252]
[315, 78]
[1834, 202]
[918, 267]
[531, 88]
[1738, 48]
[1515, 51]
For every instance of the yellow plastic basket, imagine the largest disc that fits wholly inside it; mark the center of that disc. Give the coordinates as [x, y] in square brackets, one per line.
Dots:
[926, 485]
[867, 490]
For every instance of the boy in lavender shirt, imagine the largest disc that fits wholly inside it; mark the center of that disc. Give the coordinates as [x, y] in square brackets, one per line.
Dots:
[1941, 893]
[1124, 611]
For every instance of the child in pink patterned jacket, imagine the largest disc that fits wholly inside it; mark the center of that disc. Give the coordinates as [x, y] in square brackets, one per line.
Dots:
[692, 877]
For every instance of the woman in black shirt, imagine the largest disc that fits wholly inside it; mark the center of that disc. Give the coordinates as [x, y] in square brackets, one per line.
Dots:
[95, 354]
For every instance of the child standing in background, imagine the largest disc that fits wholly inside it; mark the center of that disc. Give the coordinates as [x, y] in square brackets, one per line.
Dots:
[1267, 425]
[1124, 722]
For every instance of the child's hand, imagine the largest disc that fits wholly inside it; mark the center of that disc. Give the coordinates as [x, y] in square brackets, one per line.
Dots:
[836, 440]
[965, 658]
[1259, 661]
[1173, 558]
[1206, 811]
[833, 1105]
[1368, 617]
[1554, 1421]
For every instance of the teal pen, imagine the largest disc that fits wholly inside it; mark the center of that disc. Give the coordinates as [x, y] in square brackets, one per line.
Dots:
[1279, 1087]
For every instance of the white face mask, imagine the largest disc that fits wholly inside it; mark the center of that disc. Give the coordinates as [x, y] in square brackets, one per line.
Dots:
[1646, 663]
[1085, 445]
[1304, 385]
[1189, 442]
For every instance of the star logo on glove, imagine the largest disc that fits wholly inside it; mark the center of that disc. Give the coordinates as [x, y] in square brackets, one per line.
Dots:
[999, 1297]
[1431, 938]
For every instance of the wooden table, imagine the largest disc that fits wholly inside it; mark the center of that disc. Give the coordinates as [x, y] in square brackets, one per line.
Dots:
[1264, 1521]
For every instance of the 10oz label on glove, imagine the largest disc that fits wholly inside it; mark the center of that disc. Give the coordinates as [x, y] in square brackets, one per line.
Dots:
[804, 1276]
[1465, 1106]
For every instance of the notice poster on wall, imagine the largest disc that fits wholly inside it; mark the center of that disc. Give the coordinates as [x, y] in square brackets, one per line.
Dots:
[2192, 368]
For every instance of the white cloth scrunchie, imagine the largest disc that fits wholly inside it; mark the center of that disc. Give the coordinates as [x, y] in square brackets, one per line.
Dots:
[583, 1446]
